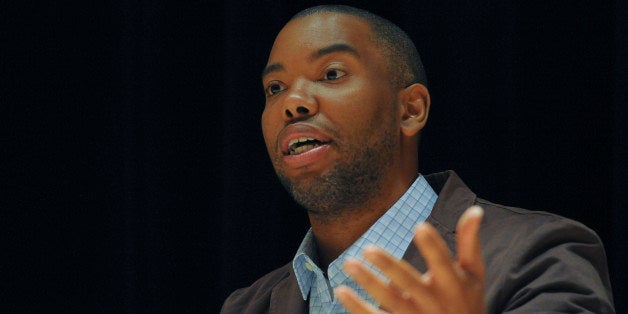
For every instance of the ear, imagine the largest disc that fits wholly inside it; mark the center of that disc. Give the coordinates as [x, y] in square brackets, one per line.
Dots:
[415, 106]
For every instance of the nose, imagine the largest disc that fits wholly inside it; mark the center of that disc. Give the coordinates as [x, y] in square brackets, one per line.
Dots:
[300, 102]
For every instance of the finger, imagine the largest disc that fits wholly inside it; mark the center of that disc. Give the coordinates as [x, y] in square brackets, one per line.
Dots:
[437, 257]
[352, 302]
[468, 241]
[409, 282]
[386, 295]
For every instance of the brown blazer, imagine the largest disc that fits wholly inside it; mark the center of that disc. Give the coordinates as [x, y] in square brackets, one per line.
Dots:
[535, 261]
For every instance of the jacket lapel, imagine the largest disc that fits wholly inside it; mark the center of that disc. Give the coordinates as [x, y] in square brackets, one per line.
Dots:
[454, 197]
[286, 297]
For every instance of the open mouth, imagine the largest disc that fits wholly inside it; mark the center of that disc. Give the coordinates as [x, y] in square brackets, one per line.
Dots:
[301, 145]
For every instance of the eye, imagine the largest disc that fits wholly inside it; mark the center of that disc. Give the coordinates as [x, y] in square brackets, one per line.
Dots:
[333, 74]
[274, 88]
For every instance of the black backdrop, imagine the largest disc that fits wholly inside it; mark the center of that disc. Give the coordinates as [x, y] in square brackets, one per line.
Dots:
[134, 176]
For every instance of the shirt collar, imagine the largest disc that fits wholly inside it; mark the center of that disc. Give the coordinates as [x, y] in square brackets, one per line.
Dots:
[392, 232]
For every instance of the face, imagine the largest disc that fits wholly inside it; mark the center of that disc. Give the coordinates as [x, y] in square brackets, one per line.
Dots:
[331, 120]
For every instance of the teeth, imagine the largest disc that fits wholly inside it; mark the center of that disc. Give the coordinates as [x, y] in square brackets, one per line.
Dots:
[295, 149]
[302, 149]
[301, 139]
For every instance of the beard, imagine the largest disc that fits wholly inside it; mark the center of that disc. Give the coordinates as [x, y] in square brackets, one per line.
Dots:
[350, 184]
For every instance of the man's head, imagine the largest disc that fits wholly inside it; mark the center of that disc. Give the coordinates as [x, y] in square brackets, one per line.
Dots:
[404, 61]
[343, 111]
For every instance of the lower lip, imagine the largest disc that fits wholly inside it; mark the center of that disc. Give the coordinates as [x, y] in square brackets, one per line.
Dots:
[307, 158]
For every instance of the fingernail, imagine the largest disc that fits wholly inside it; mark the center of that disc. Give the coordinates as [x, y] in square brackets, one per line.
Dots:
[341, 291]
[471, 212]
[350, 266]
[475, 211]
[422, 226]
[370, 250]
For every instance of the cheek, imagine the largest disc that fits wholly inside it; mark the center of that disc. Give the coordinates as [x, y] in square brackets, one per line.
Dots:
[268, 131]
[365, 109]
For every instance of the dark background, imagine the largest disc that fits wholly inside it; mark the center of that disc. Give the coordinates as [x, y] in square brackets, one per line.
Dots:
[134, 177]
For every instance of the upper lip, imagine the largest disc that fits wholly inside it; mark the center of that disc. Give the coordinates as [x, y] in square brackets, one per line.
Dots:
[300, 131]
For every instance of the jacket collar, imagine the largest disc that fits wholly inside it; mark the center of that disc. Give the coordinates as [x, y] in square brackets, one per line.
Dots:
[286, 296]
[454, 197]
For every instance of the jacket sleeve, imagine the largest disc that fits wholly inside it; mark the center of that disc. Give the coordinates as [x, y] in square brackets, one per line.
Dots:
[556, 267]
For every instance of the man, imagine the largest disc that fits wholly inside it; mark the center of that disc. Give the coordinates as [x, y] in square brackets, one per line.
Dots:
[346, 99]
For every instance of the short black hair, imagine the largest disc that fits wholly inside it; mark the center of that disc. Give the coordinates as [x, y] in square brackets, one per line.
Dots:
[395, 44]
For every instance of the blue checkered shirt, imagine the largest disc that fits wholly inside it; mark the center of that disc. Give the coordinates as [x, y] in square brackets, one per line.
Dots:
[393, 232]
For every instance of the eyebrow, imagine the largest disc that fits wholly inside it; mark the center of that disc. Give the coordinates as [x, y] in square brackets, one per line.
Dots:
[333, 48]
[275, 67]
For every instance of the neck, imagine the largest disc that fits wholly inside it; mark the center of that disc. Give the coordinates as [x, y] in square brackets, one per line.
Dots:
[336, 234]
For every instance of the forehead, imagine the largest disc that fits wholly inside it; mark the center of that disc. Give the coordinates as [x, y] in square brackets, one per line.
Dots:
[322, 30]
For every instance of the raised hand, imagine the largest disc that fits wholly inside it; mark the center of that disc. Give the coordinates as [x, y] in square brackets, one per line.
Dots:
[451, 285]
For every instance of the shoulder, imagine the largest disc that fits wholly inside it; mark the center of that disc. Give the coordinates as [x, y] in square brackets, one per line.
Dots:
[535, 261]
[521, 236]
[256, 297]
[519, 224]
[540, 260]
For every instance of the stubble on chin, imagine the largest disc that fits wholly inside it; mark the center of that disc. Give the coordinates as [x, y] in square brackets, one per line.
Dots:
[346, 188]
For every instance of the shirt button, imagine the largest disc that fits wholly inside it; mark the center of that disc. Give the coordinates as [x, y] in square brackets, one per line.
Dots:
[308, 266]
